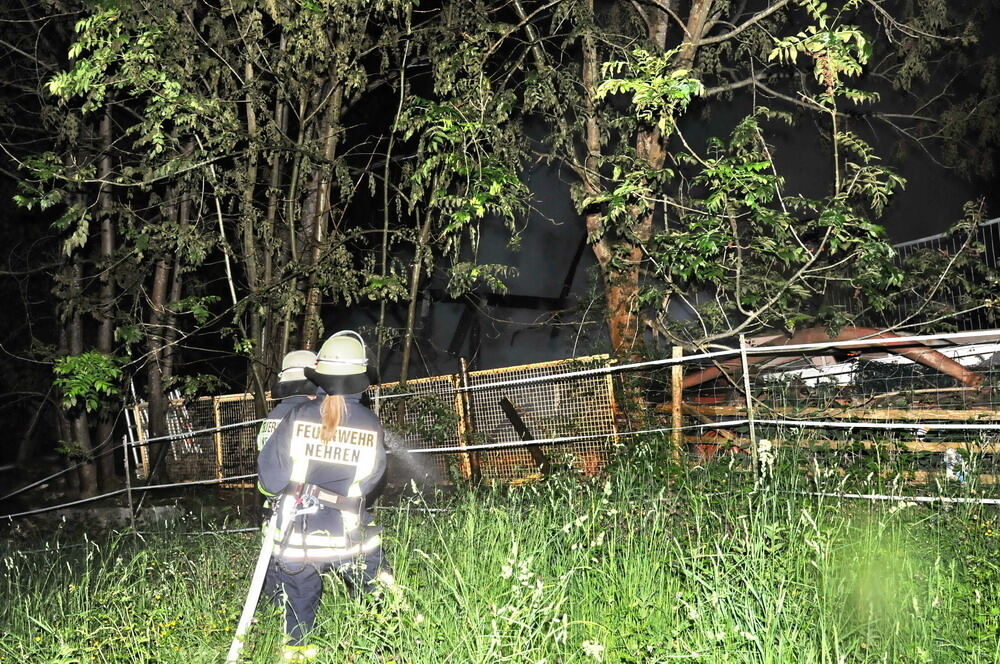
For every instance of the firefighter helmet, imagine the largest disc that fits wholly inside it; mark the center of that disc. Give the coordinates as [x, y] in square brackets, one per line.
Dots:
[341, 364]
[292, 378]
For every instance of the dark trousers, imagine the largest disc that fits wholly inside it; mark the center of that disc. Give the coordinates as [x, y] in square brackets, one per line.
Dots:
[300, 587]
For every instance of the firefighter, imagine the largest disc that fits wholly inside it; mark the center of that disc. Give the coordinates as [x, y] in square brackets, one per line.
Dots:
[322, 461]
[291, 389]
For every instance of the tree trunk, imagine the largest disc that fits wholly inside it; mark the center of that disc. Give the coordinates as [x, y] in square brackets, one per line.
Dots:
[623, 283]
[27, 446]
[248, 219]
[620, 287]
[64, 429]
[105, 331]
[411, 311]
[169, 352]
[620, 257]
[291, 215]
[695, 28]
[157, 400]
[314, 298]
[271, 341]
[80, 423]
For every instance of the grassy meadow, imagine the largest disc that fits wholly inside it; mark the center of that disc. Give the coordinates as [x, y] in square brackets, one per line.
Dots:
[641, 565]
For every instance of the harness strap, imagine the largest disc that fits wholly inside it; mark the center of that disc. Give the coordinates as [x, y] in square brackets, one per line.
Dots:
[339, 502]
[287, 512]
[306, 499]
[309, 494]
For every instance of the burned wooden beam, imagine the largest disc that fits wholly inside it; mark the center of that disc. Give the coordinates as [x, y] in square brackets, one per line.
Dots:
[522, 430]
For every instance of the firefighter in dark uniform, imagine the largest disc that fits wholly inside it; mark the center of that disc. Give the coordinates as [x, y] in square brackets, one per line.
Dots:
[292, 389]
[318, 466]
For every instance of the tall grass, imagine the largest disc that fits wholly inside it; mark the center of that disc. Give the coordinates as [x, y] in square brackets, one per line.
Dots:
[644, 565]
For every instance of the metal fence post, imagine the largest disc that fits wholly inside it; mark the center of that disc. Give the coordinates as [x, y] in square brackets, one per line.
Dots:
[128, 480]
[754, 452]
[217, 416]
[676, 394]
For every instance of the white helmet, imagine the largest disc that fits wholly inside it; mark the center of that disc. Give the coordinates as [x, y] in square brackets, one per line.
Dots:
[292, 378]
[341, 364]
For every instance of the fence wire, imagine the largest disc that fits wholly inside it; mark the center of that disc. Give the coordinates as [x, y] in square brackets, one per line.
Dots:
[512, 423]
[971, 261]
[863, 406]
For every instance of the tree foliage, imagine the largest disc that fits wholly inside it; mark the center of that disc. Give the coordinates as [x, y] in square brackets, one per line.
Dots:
[699, 242]
[88, 380]
[213, 177]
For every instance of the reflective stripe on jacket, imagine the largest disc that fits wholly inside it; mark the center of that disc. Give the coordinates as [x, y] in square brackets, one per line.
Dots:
[277, 414]
[351, 465]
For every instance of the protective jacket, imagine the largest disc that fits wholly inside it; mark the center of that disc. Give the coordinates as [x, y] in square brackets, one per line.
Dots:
[323, 484]
[277, 414]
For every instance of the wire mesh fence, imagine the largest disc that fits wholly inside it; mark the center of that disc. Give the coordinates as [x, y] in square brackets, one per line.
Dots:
[426, 413]
[236, 448]
[881, 411]
[919, 412]
[496, 410]
[960, 272]
[897, 405]
[190, 457]
[496, 407]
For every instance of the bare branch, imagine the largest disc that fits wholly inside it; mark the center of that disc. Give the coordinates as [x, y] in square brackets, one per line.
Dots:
[524, 20]
[34, 270]
[906, 29]
[804, 102]
[663, 7]
[743, 26]
[735, 85]
[529, 29]
[31, 57]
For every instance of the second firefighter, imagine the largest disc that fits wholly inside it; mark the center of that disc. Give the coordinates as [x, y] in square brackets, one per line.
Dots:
[319, 466]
